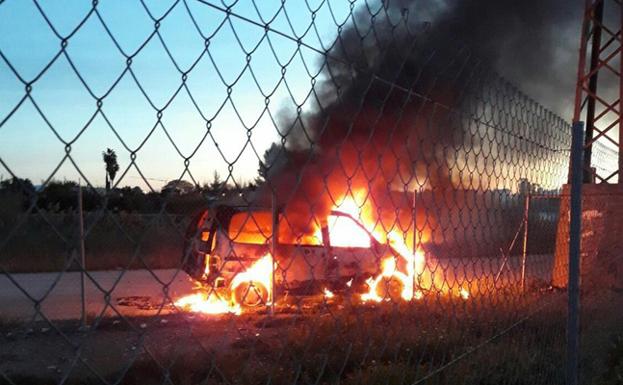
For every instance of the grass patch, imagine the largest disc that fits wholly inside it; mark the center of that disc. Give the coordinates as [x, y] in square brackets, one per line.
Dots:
[443, 340]
[117, 241]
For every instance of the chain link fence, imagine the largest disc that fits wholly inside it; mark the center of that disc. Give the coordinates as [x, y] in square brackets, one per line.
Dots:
[324, 194]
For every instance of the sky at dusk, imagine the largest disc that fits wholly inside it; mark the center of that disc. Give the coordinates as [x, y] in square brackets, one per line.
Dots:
[33, 147]
[206, 91]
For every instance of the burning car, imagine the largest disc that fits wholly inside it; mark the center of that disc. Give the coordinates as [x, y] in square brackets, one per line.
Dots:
[229, 249]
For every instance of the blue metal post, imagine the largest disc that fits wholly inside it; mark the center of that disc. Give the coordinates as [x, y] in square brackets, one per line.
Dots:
[573, 286]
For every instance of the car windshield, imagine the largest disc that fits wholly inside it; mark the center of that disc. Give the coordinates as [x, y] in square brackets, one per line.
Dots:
[345, 232]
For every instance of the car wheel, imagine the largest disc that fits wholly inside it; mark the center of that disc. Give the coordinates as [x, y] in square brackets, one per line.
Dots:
[251, 294]
[390, 289]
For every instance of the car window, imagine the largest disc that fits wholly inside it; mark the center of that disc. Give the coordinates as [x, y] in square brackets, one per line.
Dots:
[302, 234]
[256, 228]
[251, 227]
[345, 232]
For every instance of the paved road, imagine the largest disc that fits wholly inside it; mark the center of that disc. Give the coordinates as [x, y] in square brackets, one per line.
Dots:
[139, 292]
[59, 293]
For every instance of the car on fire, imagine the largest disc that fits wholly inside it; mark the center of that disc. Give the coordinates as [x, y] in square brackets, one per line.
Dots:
[225, 241]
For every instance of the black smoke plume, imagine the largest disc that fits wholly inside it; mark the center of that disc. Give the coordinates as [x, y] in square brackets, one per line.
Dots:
[383, 114]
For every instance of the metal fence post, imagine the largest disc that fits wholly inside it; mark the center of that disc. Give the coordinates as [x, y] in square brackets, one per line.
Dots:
[273, 250]
[83, 303]
[415, 244]
[524, 253]
[573, 285]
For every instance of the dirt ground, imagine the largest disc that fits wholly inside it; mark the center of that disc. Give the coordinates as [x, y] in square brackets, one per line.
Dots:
[40, 353]
[43, 353]
[488, 339]
[297, 341]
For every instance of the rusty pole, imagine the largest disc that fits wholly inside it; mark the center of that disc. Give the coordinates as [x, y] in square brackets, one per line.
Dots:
[598, 15]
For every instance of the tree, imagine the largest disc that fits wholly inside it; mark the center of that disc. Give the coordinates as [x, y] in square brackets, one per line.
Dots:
[18, 185]
[110, 158]
[217, 184]
[129, 199]
[16, 192]
[269, 160]
[178, 187]
[58, 196]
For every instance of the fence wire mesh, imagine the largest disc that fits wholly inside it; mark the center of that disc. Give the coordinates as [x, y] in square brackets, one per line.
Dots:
[324, 194]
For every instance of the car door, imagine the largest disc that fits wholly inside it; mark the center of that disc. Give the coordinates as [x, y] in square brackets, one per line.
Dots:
[352, 250]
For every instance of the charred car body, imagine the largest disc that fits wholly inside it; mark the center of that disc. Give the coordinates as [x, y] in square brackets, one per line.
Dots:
[224, 241]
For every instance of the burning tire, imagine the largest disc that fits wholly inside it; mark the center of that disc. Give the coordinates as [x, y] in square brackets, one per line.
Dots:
[390, 289]
[251, 294]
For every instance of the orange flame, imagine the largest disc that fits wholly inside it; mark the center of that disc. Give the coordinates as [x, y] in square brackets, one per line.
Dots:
[328, 293]
[401, 275]
[207, 304]
[348, 234]
[253, 285]
[464, 293]
[256, 282]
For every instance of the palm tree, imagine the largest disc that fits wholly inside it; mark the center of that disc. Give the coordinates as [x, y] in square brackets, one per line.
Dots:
[110, 158]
